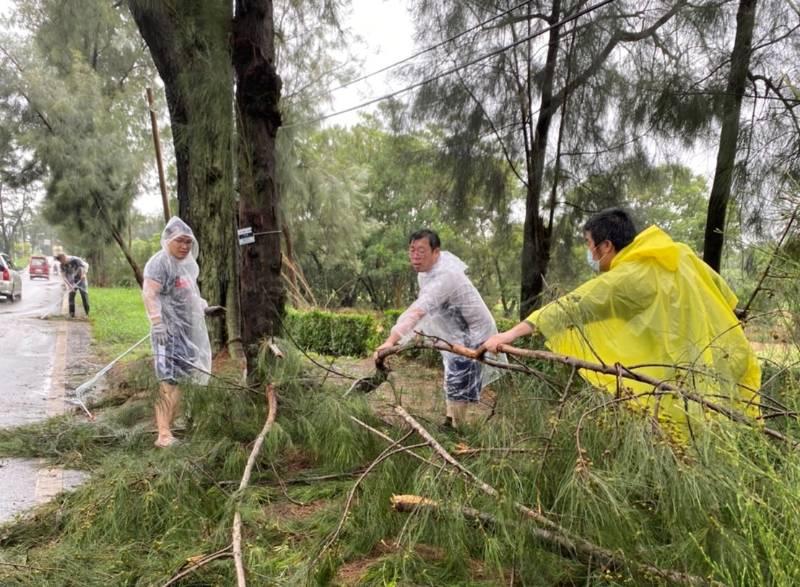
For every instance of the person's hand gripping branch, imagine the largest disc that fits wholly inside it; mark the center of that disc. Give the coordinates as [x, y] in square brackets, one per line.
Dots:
[492, 343]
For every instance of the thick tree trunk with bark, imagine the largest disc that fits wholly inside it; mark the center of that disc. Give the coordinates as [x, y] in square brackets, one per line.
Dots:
[257, 94]
[189, 46]
[729, 135]
[536, 236]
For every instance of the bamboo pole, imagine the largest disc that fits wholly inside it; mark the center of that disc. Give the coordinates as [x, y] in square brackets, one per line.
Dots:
[162, 182]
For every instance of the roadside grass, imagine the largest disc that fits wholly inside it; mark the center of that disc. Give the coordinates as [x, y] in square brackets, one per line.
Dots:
[725, 507]
[118, 321]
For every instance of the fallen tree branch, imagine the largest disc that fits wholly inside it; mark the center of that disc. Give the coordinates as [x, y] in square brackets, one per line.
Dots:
[274, 349]
[658, 385]
[759, 286]
[241, 579]
[29, 567]
[224, 553]
[552, 533]
[408, 504]
[388, 452]
[391, 440]
[467, 450]
[615, 370]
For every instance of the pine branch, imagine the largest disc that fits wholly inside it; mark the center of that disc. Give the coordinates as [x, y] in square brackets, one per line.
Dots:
[196, 564]
[617, 370]
[551, 533]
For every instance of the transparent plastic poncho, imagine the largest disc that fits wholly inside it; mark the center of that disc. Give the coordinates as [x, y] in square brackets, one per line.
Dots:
[171, 295]
[663, 312]
[71, 269]
[449, 307]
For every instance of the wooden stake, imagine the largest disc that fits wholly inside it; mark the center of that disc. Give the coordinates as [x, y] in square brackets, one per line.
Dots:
[162, 182]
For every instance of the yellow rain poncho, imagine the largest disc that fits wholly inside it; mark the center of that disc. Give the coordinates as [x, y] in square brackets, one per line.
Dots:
[661, 311]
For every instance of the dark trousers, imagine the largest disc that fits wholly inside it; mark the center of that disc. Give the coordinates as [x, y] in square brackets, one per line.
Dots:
[84, 300]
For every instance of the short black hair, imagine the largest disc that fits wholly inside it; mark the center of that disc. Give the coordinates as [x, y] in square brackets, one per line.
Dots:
[433, 238]
[611, 224]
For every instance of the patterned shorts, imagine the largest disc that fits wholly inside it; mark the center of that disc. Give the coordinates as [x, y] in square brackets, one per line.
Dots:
[173, 360]
[463, 379]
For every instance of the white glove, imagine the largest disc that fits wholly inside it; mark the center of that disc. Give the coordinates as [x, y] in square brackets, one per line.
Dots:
[159, 333]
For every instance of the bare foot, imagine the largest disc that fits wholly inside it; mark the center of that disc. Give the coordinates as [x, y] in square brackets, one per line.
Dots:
[166, 442]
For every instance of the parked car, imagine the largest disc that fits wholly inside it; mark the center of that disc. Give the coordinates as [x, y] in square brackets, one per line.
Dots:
[39, 267]
[10, 280]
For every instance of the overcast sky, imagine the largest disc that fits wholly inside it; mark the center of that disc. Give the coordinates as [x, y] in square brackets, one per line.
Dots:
[387, 33]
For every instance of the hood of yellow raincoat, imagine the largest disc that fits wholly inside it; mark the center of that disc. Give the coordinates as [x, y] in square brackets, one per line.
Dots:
[650, 244]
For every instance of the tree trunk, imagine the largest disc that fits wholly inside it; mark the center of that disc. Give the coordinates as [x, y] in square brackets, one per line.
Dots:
[258, 90]
[137, 271]
[198, 83]
[6, 243]
[729, 135]
[536, 236]
[117, 236]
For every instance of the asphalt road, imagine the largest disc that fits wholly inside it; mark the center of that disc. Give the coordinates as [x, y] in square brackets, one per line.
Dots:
[27, 352]
[33, 357]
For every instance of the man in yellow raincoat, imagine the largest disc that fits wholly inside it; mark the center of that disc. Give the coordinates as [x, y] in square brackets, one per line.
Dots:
[654, 307]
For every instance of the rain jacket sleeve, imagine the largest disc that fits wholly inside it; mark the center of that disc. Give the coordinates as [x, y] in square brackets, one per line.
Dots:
[151, 291]
[433, 295]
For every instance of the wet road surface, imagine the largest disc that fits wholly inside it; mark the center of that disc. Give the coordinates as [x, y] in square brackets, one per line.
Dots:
[33, 365]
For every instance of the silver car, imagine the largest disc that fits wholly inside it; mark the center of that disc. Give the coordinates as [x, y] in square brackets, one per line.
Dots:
[10, 280]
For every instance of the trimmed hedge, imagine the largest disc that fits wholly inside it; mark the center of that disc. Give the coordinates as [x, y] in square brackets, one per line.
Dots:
[329, 333]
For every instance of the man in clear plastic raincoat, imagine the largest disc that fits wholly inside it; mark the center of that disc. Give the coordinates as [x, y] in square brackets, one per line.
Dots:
[73, 271]
[654, 307]
[448, 306]
[177, 325]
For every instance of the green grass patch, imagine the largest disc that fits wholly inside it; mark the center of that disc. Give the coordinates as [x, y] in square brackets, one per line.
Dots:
[118, 320]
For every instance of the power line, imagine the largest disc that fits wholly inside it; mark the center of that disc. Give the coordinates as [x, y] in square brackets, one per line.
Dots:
[452, 70]
[429, 49]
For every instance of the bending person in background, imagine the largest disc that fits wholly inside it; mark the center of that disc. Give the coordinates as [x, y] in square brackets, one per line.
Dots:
[448, 306]
[73, 272]
[656, 304]
[176, 311]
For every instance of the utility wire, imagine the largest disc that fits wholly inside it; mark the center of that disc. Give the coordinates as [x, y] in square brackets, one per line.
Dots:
[429, 49]
[452, 70]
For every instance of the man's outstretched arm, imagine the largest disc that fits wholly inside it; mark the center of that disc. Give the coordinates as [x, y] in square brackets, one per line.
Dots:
[522, 329]
[405, 325]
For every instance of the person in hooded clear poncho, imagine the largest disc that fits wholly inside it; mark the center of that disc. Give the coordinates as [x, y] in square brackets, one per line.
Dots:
[176, 311]
[449, 307]
[657, 308]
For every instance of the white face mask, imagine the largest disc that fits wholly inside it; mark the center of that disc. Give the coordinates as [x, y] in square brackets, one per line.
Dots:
[593, 263]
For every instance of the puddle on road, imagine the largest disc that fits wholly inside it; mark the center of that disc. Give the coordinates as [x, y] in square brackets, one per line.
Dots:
[29, 482]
